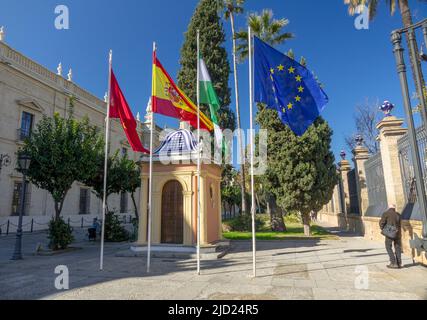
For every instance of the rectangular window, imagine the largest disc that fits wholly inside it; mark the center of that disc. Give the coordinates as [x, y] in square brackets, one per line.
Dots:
[27, 123]
[123, 202]
[84, 204]
[16, 198]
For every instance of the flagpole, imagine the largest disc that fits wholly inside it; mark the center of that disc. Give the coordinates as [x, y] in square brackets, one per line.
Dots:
[198, 153]
[252, 141]
[150, 195]
[107, 135]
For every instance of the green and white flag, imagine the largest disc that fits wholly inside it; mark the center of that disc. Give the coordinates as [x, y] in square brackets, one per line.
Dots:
[208, 96]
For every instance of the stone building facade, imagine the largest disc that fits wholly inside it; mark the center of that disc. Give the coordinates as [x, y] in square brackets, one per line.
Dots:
[28, 91]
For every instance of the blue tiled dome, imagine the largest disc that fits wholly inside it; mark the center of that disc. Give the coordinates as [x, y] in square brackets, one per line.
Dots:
[178, 142]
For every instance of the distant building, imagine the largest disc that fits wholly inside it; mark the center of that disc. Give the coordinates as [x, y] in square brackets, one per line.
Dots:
[27, 92]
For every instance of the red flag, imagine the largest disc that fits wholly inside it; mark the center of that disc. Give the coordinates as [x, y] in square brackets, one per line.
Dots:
[119, 109]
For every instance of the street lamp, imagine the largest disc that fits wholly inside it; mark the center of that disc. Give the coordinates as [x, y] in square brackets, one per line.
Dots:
[24, 162]
[415, 152]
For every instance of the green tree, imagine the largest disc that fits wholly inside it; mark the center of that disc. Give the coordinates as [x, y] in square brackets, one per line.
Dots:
[301, 173]
[212, 38]
[405, 12]
[130, 179]
[266, 28]
[62, 151]
[231, 8]
[123, 175]
[271, 31]
[230, 189]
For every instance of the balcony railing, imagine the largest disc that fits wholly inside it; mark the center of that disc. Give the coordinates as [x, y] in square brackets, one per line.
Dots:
[22, 135]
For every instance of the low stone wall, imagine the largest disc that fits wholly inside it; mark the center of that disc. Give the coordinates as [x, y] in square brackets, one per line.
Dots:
[369, 227]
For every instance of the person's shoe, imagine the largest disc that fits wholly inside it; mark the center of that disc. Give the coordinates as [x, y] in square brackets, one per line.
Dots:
[393, 266]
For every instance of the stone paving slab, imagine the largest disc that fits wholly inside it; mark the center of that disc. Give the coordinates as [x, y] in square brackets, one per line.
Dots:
[286, 270]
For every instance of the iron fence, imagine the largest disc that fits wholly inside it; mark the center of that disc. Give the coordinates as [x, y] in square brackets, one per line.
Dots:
[406, 164]
[375, 184]
[353, 194]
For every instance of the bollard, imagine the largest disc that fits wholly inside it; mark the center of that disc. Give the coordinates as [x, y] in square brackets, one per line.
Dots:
[32, 225]
[7, 229]
[82, 222]
[69, 221]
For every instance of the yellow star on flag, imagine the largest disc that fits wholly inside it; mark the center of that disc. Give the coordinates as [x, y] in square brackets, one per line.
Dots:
[280, 68]
[272, 71]
[297, 98]
[298, 78]
[300, 89]
[291, 70]
[284, 110]
[290, 106]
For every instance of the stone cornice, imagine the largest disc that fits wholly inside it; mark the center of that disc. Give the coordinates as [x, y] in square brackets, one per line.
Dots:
[345, 165]
[25, 65]
[391, 126]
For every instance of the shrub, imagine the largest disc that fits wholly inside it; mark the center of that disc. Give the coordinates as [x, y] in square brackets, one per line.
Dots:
[60, 234]
[114, 231]
[244, 223]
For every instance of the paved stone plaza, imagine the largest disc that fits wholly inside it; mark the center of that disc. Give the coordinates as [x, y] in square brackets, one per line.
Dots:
[286, 270]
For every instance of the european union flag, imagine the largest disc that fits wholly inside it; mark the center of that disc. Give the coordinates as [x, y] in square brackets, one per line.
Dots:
[286, 86]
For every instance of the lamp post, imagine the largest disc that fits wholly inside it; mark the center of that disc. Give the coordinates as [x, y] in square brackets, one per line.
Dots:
[415, 152]
[23, 165]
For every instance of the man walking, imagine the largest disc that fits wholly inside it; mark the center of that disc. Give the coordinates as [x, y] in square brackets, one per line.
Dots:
[390, 228]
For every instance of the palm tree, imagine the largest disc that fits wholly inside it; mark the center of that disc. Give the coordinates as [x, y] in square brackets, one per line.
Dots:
[405, 12]
[232, 8]
[271, 31]
[265, 27]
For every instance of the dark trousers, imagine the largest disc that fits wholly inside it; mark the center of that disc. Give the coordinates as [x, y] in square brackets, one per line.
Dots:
[396, 255]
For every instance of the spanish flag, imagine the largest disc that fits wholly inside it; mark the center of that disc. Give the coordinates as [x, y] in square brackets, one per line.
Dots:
[170, 101]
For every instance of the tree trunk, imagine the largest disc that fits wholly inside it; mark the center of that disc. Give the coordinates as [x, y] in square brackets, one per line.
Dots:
[306, 220]
[239, 136]
[136, 208]
[405, 12]
[276, 216]
[57, 211]
[58, 207]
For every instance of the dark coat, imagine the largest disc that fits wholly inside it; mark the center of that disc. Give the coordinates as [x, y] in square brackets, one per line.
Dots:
[391, 217]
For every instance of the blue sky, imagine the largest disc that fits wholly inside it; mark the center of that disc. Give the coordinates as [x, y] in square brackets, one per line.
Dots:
[354, 65]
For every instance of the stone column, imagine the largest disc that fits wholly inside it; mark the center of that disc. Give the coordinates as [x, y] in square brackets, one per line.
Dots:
[345, 168]
[188, 218]
[390, 132]
[361, 154]
[143, 209]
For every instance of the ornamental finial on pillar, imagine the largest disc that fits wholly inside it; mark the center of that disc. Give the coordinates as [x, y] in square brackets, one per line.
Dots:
[149, 112]
[59, 69]
[359, 140]
[387, 107]
[70, 75]
[2, 34]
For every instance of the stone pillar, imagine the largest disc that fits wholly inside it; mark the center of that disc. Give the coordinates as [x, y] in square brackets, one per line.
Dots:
[361, 154]
[143, 210]
[345, 168]
[390, 132]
